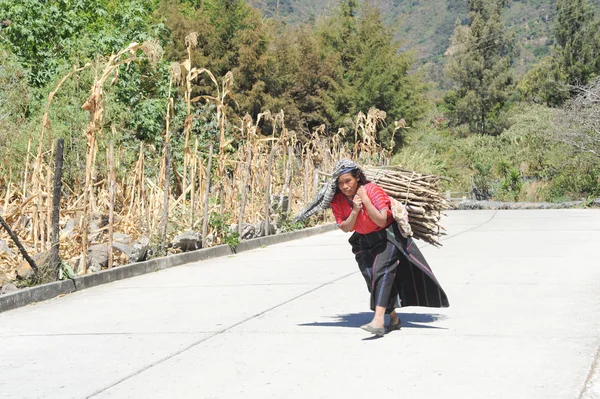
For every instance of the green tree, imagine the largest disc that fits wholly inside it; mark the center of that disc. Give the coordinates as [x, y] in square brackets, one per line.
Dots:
[251, 62]
[544, 83]
[380, 74]
[300, 79]
[48, 35]
[231, 37]
[312, 83]
[480, 66]
[14, 99]
[577, 41]
[574, 60]
[372, 71]
[339, 36]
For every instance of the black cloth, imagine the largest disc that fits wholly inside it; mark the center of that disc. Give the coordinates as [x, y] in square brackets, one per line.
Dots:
[396, 273]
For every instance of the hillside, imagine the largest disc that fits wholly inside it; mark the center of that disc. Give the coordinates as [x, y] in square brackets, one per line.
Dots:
[425, 26]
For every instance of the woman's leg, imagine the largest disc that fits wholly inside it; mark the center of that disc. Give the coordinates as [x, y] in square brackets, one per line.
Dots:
[394, 319]
[376, 326]
[379, 317]
[383, 292]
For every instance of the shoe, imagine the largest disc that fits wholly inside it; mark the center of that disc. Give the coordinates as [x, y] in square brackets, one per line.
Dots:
[393, 327]
[377, 331]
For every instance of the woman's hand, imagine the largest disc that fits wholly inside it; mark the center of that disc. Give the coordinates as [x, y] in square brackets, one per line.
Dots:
[364, 197]
[357, 203]
[377, 216]
[362, 193]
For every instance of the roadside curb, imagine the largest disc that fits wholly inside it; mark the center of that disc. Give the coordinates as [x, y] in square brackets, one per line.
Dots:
[51, 290]
[472, 205]
[149, 266]
[35, 294]
[254, 243]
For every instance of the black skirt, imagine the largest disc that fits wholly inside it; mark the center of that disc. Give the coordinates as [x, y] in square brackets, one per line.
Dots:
[396, 273]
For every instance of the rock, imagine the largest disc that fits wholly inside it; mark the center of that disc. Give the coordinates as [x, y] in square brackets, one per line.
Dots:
[122, 238]
[97, 257]
[42, 259]
[248, 231]
[133, 251]
[140, 248]
[125, 250]
[4, 279]
[210, 239]
[68, 230]
[276, 223]
[124, 243]
[24, 270]
[188, 241]
[261, 229]
[97, 222]
[4, 248]
[94, 268]
[8, 288]
[233, 228]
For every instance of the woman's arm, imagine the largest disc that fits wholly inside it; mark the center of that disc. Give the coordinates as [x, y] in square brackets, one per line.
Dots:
[348, 225]
[380, 217]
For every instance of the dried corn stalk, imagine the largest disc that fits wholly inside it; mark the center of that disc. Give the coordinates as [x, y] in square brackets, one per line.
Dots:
[95, 106]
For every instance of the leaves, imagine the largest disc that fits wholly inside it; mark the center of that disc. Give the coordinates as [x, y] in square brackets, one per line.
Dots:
[370, 70]
[48, 35]
[480, 66]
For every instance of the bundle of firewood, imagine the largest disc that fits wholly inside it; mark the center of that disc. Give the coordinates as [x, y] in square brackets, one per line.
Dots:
[419, 193]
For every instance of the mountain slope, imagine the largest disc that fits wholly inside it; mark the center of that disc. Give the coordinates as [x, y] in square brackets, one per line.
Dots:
[426, 26]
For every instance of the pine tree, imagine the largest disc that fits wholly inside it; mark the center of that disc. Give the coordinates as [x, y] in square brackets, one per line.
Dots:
[371, 70]
[575, 58]
[251, 63]
[480, 66]
[315, 83]
[381, 73]
[544, 83]
[576, 37]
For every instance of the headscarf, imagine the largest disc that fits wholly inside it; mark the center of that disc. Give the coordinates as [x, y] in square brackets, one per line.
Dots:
[323, 198]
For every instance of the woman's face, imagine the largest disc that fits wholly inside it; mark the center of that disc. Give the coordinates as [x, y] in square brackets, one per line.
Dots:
[348, 184]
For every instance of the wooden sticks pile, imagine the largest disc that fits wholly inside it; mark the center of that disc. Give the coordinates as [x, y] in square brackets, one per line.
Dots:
[419, 193]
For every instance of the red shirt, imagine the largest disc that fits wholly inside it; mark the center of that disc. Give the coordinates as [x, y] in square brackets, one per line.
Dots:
[342, 206]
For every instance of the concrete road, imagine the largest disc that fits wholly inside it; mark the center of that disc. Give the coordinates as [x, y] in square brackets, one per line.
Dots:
[282, 322]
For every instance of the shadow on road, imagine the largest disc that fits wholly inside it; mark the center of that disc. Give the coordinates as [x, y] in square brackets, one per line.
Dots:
[355, 320]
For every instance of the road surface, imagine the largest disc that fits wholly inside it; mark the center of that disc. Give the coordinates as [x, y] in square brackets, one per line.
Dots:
[282, 322]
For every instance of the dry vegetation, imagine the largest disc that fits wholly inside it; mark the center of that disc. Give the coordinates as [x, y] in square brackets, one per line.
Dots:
[578, 124]
[246, 185]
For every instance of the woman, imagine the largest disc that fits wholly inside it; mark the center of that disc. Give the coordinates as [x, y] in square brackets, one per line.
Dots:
[394, 269]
